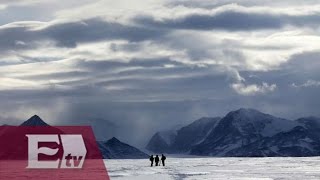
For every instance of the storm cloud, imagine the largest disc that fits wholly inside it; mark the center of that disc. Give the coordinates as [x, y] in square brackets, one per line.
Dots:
[232, 20]
[68, 34]
[158, 64]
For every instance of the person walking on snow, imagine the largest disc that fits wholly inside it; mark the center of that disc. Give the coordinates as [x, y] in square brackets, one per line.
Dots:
[157, 160]
[163, 158]
[151, 159]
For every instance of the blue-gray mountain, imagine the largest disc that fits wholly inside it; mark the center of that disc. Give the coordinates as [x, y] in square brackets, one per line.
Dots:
[180, 141]
[111, 149]
[115, 149]
[244, 133]
[34, 121]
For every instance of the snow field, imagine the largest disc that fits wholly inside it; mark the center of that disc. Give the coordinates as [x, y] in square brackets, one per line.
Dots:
[217, 169]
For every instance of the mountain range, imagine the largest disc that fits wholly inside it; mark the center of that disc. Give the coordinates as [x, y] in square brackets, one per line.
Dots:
[242, 133]
[110, 149]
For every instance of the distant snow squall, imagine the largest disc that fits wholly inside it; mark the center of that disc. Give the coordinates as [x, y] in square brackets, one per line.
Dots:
[157, 63]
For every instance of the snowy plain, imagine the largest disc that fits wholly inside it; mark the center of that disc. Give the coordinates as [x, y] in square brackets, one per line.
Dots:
[217, 168]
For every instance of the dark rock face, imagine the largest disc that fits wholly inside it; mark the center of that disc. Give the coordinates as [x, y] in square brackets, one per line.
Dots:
[298, 142]
[239, 129]
[250, 133]
[34, 121]
[311, 123]
[115, 149]
[193, 134]
[181, 141]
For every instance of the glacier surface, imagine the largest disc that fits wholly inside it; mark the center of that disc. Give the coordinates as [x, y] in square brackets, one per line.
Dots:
[217, 169]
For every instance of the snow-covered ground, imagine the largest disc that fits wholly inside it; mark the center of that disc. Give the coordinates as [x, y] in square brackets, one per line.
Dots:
[217, 168]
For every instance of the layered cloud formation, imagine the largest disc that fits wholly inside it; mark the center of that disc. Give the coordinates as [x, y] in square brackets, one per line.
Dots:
[154, 62]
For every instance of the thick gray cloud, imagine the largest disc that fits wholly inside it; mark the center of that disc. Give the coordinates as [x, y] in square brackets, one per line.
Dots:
[232, 21]
[156, 64]
[247, 3]
[227, 20]
[69, 34]
[91, 30]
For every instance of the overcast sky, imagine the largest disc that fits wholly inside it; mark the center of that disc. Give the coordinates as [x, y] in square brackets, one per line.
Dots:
[150, 65]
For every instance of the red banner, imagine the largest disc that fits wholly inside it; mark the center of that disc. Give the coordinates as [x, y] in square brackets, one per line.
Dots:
[38, 153]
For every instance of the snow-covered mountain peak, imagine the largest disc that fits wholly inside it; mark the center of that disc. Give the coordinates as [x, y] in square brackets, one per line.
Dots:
[248, 114]
[254, 121]
[203, 121]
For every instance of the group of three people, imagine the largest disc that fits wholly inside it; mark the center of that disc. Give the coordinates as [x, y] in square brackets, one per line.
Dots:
[157, 159]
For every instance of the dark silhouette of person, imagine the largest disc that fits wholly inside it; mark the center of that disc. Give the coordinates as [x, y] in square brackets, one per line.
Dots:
[156, 159]
[163, 159]
[151, 159]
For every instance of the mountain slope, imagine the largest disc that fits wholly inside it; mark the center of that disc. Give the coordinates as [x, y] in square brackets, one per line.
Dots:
[310, 122]
[193, 134]
[181, 140]
[240, 128]
[34, 121]
[115, 149]
[298, 142]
